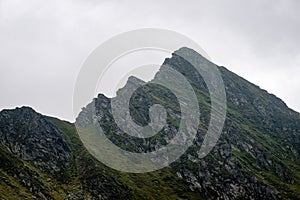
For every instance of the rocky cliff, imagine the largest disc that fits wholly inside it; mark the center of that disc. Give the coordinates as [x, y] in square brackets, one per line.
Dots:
[256, 157]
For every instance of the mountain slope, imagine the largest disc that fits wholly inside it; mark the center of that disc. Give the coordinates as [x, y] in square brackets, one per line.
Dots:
[46, 176]
[256, 157]
[85, 178]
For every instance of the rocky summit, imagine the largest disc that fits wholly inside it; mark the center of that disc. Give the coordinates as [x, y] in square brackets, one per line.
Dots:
[256, 156]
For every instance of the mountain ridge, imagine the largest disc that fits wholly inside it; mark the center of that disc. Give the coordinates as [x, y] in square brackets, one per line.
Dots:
[256, 157]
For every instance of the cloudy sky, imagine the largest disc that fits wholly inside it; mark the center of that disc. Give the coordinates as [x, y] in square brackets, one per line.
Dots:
[44, 43]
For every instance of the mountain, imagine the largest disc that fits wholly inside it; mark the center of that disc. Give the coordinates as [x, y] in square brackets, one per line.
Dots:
[256, 157]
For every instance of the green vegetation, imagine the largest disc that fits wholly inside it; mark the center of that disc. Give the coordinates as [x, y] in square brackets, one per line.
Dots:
[256, 157]
[162, 184]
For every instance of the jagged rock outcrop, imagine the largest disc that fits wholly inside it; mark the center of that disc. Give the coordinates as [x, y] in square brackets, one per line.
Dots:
[253, 157]
[31, 137]
[256, 157]
[43, 158]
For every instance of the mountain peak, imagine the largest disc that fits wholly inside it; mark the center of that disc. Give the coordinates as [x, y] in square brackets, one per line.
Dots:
[190, 53]
[256, 156]
[20, 109]
[260, 136]
[31, 136]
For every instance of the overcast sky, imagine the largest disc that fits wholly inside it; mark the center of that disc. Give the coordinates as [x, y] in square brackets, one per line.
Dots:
[44, 43]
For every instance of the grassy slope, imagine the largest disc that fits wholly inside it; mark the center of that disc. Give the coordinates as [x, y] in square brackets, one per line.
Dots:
[12, 188]
[273, 140]
[162, 184]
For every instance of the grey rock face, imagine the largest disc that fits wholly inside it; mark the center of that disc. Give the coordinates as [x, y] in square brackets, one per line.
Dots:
[31, 137]
[249, 150]
[256, 157]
